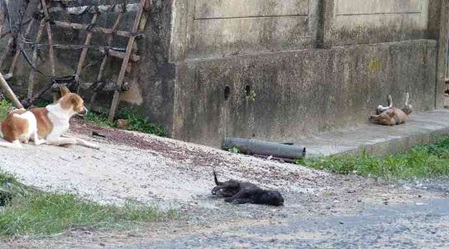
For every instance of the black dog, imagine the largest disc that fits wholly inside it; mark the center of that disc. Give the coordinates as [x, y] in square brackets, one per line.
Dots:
[244, 192]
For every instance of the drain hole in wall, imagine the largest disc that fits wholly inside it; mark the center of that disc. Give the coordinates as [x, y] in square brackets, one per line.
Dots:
[227, 92]
[247, 90]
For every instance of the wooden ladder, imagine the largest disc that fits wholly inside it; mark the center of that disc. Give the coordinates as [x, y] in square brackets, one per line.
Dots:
[46, 25]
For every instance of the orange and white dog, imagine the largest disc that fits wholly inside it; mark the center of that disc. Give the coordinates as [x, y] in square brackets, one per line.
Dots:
[389, 115]
[46, 124]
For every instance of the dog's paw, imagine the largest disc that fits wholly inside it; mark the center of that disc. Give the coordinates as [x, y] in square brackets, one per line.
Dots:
[39, 142]
[229, 200]
[92, 146]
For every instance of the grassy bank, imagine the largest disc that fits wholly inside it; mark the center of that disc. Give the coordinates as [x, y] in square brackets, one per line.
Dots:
[26, 211]
[424, 161]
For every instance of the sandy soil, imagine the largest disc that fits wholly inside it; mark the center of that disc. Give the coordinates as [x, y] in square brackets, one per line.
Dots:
[175, 174]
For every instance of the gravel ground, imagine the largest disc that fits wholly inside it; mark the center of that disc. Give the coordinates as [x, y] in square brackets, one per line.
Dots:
[321, 210]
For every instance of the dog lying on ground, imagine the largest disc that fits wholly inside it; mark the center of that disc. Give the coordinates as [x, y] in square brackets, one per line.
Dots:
[44, 125]
[389, 115]
[244, 192]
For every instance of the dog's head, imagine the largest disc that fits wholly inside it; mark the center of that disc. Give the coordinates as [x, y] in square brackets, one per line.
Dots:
[273, 198]
[71, 102]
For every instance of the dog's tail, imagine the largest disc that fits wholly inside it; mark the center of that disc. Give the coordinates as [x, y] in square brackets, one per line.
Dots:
[15, 145]
[216, 179]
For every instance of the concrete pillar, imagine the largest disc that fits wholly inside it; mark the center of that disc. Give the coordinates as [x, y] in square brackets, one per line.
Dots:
[442, 51]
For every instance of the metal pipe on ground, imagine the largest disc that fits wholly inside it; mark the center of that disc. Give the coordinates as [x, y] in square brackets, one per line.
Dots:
[257, 147]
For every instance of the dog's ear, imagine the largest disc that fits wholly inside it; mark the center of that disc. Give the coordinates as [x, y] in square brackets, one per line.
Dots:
[63, 90]
[75, 100]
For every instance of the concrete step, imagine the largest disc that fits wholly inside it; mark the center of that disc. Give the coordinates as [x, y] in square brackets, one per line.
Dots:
[422, 127]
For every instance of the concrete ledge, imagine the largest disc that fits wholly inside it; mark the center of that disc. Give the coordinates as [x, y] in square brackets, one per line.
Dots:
[424, 127]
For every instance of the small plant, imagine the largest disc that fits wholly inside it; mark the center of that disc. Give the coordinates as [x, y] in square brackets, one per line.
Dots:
[5, 107]
[252, 95]
[234, 149]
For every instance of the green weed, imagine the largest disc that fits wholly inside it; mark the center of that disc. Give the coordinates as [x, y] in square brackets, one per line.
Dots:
[5, 107]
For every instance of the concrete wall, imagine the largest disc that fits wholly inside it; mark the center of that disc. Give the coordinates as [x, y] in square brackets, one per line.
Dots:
[215, 28]
[374, 21]
[291, 94]
[289, 67]
[295, 67]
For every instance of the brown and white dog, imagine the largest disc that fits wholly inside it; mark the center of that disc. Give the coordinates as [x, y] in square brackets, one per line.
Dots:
[46, 124]
[389, 115]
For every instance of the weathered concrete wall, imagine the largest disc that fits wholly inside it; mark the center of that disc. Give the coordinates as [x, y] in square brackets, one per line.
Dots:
[280, 85]
[156, 74]
[215, 28]
[292, 67]
[291, 94]
[373, 21]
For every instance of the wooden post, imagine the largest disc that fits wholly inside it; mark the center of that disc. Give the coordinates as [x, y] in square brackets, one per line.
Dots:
[16, 56]
[34, 59]
[106, 56]
[116, 98]
[50, 39]
[5, 53]
[79, 69]
[9, 93]
[2, 21]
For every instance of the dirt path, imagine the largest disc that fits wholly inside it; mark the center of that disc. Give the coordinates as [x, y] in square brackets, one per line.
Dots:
[177, 175]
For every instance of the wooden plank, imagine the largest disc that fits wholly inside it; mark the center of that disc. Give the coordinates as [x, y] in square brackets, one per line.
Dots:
[34, 59]
[2, 21]
[106, 56]
[78, 26]
[115, 99]
[5, 54]
[16, 56]
[133, 7]
[113, 52]
[51, 51]
[79, 69]
[121, 55]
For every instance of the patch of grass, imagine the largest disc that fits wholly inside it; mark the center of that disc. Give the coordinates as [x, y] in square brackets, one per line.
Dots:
[136, 122]
[141, 124]
[424, 161]
[5, 107]
[37, 213]
[98, 119]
